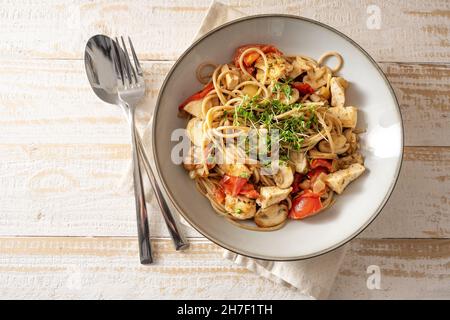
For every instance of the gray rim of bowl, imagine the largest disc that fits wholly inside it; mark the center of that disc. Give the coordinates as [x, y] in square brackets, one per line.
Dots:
[204, 232]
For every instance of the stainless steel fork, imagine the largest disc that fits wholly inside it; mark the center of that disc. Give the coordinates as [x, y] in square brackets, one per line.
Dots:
[131, 89]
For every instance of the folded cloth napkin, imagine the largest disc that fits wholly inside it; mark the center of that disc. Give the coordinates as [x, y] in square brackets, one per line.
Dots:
[312, 277]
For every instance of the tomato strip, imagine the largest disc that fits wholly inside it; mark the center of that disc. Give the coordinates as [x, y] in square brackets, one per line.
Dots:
[303, 88]
[305, 205]
[251, 57]
[249, 191]
[198, 95]
[232, 185]
[316, 163]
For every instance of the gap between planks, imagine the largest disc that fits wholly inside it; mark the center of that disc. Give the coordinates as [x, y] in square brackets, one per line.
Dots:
[108, 268]
[421, 28]
[84, 188]
[75, 114]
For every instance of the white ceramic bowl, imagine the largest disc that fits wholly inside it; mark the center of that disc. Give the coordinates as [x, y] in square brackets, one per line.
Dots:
[379, 114]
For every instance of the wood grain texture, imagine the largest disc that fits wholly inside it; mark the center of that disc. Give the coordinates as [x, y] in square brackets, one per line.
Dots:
[51, 102]
[420, 200]
[75, 190]
[63, 153]
[164, 28]
[423, 92]
[108, 268]
[410, 269]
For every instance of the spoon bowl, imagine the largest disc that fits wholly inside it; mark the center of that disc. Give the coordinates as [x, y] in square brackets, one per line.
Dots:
[100, 68]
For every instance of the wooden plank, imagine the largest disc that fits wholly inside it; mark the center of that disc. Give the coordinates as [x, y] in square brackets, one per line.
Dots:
[163, 29]
[60, 142]
[409, 269]
[63, 153]
[51, 102]
[76, 190]
[108, 268]
[423, 93]
[72, 189]
[419, 207]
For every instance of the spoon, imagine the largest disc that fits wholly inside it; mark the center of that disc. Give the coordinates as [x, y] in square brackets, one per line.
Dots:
[102, 78]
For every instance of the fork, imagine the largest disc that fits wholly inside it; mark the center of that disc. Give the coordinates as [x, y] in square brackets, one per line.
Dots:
[131, 89]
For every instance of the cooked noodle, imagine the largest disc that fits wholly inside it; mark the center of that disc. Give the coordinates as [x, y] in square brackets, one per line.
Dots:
[266, 91]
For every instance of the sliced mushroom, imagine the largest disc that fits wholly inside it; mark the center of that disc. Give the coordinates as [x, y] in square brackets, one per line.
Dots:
[317, 77]
[299, 160]
[195, 131]
[240, 207]
[347, 115]
[299, 66]
[194, 107]
[250, 90]
[231, 79]
[352, 139]
[284, 177]
[295, 94]
[340, 145]
[337, 88]
[324, 91]
[339, 140]
[349, 135]
[315, 154]
[271, 216]
[315, 98]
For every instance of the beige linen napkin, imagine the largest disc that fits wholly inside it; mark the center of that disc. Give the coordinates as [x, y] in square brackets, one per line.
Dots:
[312, 277]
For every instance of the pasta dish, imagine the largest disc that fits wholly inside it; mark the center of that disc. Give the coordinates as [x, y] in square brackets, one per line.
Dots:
[307, 149]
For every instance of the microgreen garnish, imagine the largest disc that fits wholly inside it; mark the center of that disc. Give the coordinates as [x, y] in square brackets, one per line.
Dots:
[261, 113]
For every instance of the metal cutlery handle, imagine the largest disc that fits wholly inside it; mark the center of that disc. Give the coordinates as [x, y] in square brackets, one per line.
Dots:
[145, 250]
[131, 89]
[179, 240]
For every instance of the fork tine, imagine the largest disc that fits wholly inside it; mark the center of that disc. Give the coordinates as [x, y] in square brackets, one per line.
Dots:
[116, 61]
[135, 58]
[122, 64]
[127, 80]
[130, 70]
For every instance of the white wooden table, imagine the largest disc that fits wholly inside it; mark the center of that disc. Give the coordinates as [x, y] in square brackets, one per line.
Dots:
[67, 230]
